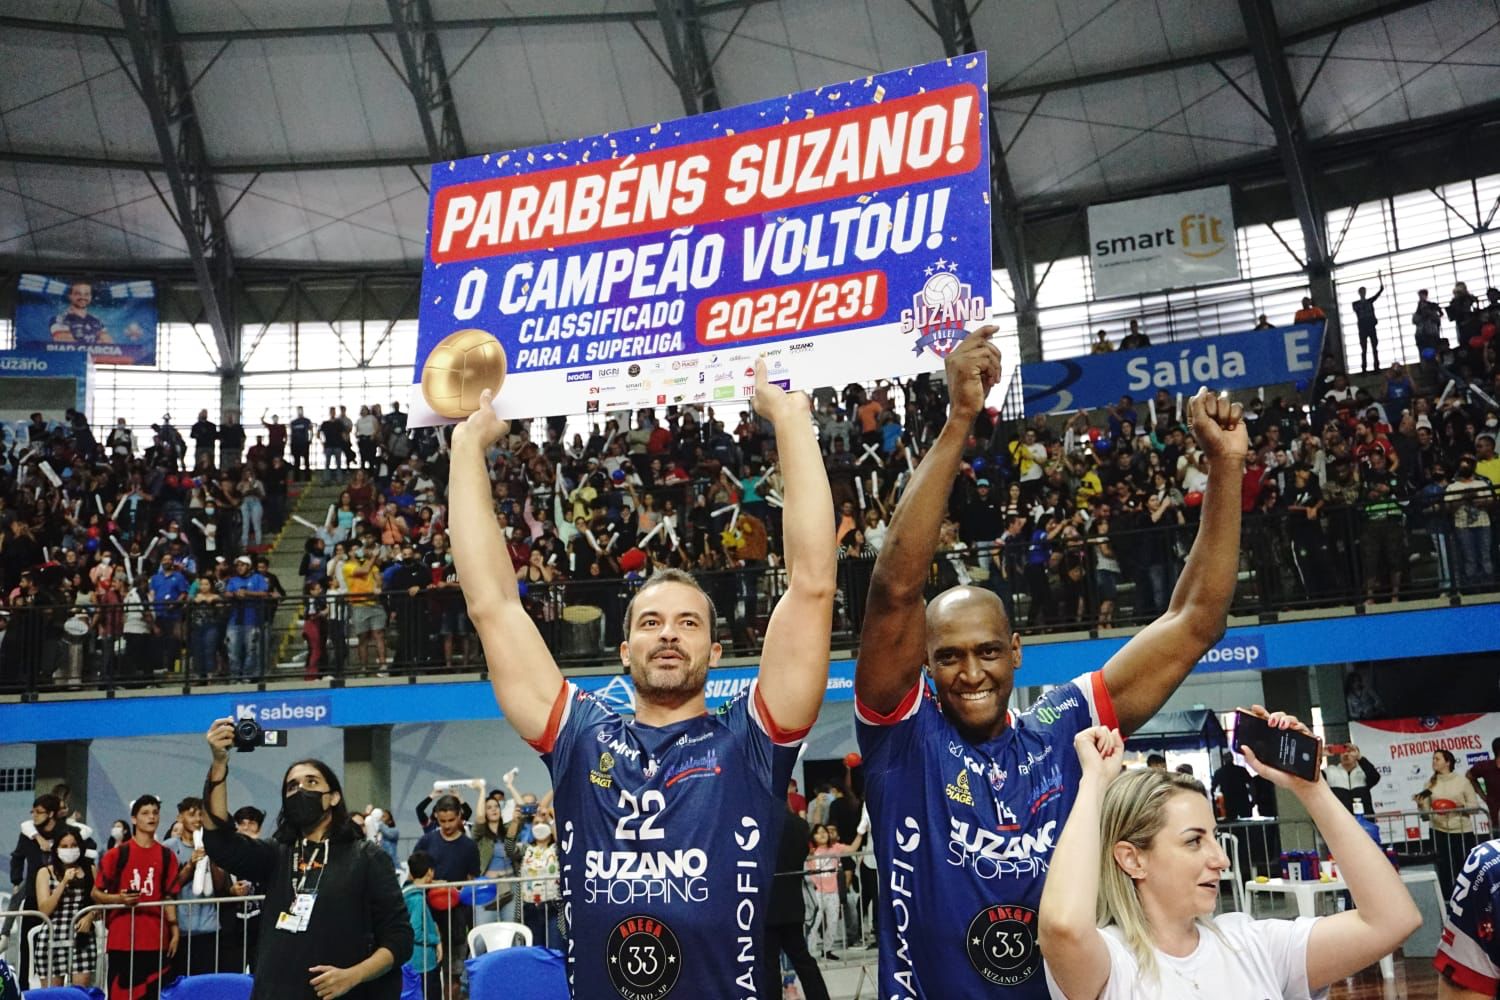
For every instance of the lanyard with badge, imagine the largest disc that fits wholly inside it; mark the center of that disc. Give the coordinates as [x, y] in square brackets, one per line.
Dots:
[304, 895]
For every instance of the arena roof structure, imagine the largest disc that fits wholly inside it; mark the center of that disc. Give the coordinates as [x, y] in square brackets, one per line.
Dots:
[217, 139]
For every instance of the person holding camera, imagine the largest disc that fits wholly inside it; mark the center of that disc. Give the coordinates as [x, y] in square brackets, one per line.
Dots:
[336, 924]
[1139, 857]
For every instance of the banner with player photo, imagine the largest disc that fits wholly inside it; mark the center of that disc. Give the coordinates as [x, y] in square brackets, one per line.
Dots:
[1402, 749]
[114, 321]
[843, 232]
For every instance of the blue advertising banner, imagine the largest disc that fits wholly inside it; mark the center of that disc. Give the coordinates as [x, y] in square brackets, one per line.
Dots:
[75, 368]
[842, 232]
[113, 321]
[1229, 362]
[1348, 638]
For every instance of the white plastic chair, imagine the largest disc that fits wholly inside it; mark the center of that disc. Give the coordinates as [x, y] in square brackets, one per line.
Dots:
[502, 934]
[1230, 845]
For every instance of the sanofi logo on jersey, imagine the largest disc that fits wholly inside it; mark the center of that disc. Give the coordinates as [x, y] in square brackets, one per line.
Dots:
[287, 713]
[1242, 651]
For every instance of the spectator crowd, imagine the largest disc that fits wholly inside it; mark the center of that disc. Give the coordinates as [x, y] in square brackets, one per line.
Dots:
[117, 560]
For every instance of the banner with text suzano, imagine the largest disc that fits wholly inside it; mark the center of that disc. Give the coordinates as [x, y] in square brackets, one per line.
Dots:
[1227, 362]
[843, 232]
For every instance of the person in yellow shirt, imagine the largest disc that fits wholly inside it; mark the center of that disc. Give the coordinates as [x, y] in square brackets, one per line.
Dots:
[362, 582]
[1487, 464]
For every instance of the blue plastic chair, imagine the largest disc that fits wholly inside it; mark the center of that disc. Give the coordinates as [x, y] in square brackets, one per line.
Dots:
[533, 973]
[64, 993]
[211, 986]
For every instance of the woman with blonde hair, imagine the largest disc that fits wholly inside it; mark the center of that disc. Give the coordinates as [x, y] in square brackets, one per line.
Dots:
[1128, 909]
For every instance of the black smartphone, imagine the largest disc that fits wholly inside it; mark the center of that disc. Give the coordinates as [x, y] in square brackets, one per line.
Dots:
[1284, 749]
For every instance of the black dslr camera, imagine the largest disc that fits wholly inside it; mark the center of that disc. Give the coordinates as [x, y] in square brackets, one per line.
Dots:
[248, 735]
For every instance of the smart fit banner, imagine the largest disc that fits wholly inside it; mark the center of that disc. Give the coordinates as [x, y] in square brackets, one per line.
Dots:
[1402, 749]
[843, 232]
[1227, 362]
[1168, 241]
[114, 322]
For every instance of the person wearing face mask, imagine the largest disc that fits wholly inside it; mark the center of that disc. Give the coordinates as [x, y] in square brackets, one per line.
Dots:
[65, 950]
[32, 854]
[335, 923]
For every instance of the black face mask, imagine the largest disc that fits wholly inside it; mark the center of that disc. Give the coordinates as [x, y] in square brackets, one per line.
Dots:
[304, 808]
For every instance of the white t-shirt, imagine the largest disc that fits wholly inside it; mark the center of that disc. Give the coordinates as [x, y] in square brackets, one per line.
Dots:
[1254, 960]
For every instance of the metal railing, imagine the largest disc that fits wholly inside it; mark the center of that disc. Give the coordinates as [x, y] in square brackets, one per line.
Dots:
[1066, 583]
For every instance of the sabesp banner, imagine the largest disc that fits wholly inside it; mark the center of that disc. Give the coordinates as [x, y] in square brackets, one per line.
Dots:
[1402, 749]
[1226, 362]
[1168, 241]
[843, 232]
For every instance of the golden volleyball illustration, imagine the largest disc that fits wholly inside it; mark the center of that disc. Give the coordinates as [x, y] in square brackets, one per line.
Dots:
[460, 367]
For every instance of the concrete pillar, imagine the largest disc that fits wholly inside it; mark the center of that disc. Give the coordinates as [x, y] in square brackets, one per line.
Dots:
[1289, 691]
[65, 763]
[367, 766]
[1330, 684]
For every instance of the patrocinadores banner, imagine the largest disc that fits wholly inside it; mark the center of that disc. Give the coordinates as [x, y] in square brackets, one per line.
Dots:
[1402, 749]
[1168, 241]
[113, 321]
[843, 232]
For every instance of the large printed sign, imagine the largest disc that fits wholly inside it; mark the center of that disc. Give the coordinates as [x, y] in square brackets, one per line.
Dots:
[1402, 749]
[843, 232]
[34, 380]
[113, 321]
[1168, 241]
[1229, 362]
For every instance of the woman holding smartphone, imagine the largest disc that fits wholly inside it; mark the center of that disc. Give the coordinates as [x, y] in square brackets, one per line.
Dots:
[1142, 844]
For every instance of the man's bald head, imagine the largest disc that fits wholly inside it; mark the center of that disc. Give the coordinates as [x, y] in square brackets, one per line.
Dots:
[968, 603]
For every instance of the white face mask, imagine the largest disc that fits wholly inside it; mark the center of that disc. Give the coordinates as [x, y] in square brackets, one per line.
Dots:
[119, 832]
[69, 855]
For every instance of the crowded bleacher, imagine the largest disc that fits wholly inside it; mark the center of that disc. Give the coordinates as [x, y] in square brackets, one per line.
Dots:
[135, 557]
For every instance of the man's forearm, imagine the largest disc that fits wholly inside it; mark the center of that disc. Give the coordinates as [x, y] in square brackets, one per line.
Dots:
[905, 559]
[479, 546]
[1206, 587]
[811, 556]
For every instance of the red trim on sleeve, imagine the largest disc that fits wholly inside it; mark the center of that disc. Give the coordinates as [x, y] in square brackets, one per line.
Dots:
[1462, 975]
[545, 742]
[897, 714]
[1103, 704]
[777, 734]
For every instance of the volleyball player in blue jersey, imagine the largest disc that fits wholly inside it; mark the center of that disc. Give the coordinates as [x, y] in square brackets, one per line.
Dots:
[967, 798]
[668, 822]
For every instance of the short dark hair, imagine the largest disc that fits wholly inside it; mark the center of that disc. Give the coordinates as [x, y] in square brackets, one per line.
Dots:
[51, 803]
[662, 576]
[1156, 758]
[143, 802]
[419, 864]
[447, 804]
[189, 803]
[257, 816]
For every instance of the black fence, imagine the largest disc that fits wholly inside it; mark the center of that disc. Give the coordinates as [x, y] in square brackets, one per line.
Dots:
[1071, 582]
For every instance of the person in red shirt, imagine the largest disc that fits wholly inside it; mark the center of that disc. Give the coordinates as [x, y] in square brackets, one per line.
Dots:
[1309, 313]
[795, 800]
[141, 939]
[1485, 777]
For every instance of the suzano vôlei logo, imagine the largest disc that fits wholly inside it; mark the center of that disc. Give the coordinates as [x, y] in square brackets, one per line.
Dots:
[941, 310]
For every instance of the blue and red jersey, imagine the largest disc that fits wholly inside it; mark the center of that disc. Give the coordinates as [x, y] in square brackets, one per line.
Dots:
[963, 833]
[667, 844]
[1469, 954]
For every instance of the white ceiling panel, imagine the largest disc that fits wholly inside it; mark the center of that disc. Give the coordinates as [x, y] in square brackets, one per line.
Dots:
[1293, 16]
[303, 99]
[448, 10]
[89, 214]
[220, 15]
[498, 102]
[67, 94]
[90, 12]
[328, 216]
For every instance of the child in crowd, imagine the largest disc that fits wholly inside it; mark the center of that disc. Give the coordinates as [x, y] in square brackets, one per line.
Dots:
[427, 953]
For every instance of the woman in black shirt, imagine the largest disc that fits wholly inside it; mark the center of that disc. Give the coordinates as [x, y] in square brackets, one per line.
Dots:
[335, 924]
